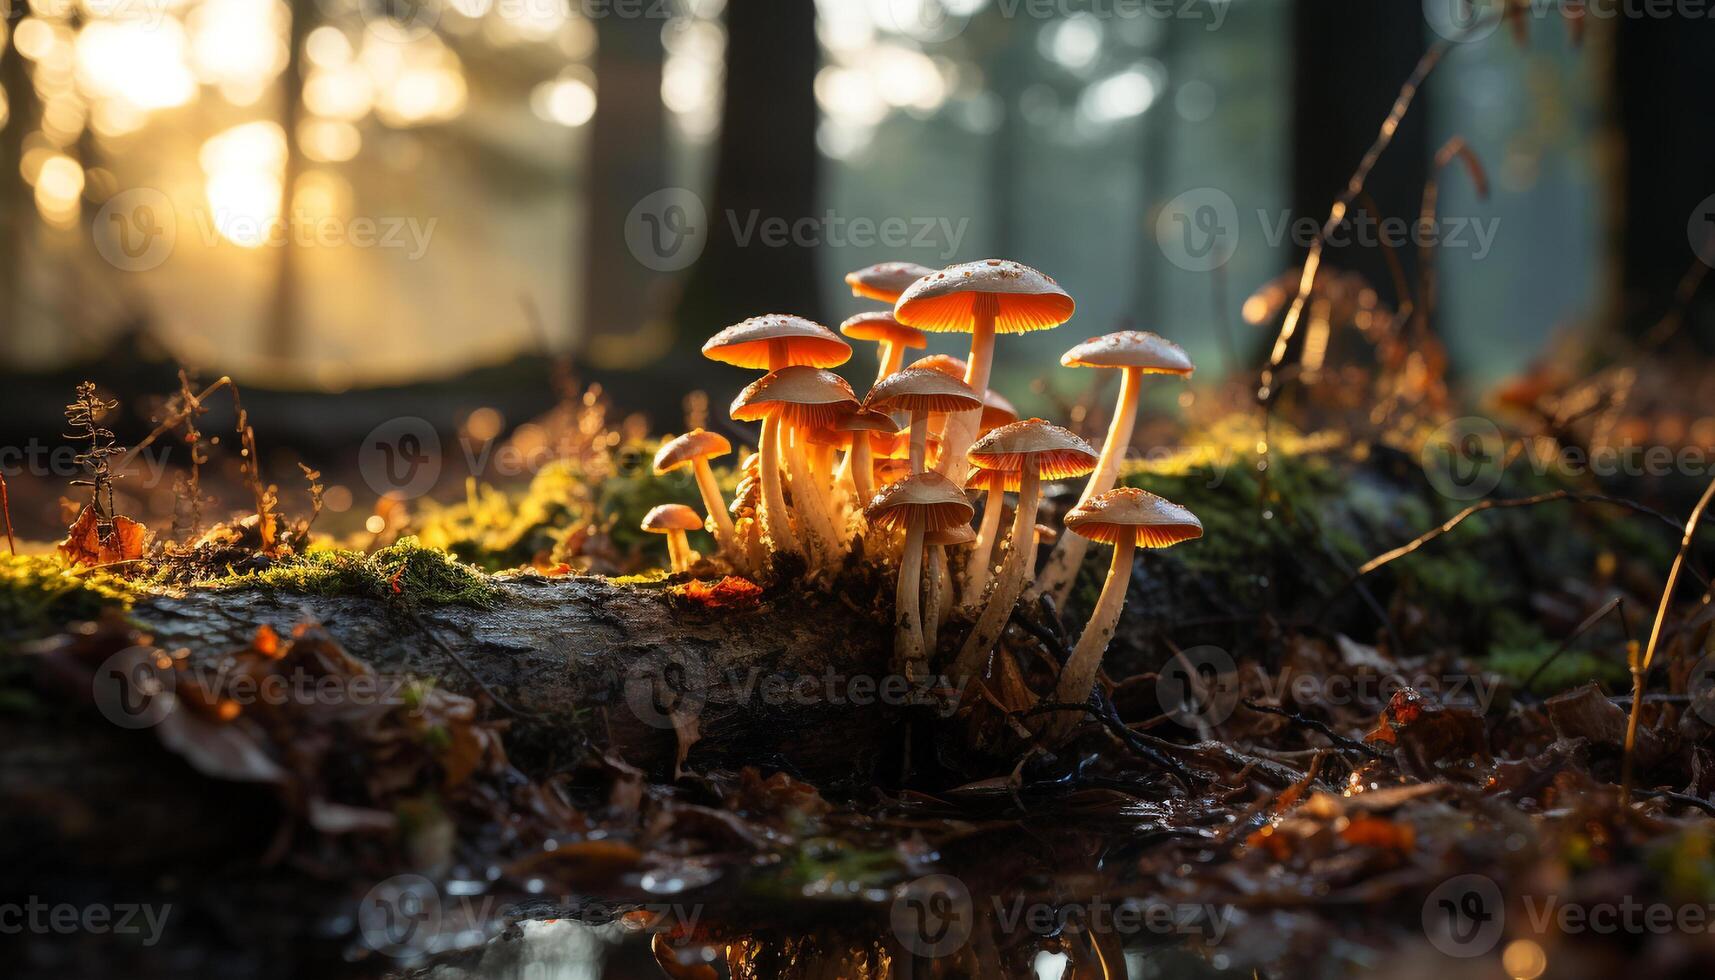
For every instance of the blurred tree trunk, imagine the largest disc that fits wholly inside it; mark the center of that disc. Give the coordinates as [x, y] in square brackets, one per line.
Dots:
[765, 172]
[1660, 66]
[17, 208]
[281, 341]
[1352, 56]
[627, 162]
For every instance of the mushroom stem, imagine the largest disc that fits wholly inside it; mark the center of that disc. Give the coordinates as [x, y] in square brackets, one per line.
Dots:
[817, 525]
[980, 563]
[908, 621]
[962, 426]
[776, 522]
[892, 356]
[678, 551]
[1062, 568]
[992, 623]
[935, 588]
[919, 440]
[862, 467]
[712, 502]
[1078, 677]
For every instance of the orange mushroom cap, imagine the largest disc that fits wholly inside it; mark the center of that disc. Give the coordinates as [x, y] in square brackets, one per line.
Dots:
[802, 396]
[958, 534]
[1024, 298]
[884, 281]
[892, 470]
[672, 517]
[938, 500]
[947, 364]
[688, 448]
[920, 390]
[1053, 452]
[748, 344]
[1148, 352]
[879, 325]
[1127, 512]
[997, 411]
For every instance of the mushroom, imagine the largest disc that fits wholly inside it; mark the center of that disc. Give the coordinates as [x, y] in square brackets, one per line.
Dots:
[674, 520]
[860, 460]
[694, 449]
[884, 281]
[803, 398]
[892, 338]
[1127, 518]
[1137, 353]
[1028, 452]
[997, 411]
[771, 343]
[920, 503]
[938, 596]
[984, 298]
[920, 392]
[979, 563]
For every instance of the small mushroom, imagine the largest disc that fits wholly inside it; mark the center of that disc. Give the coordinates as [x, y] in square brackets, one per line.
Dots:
[920, 503]
[937, 600]
[920, 392]
[982, 298]
[1137, 353]
[884, 281]
[864, 427]
[997, 411]
[892, 338]
[694, 449]
[778, 340]
[803, 398]
[674, 520]
[1029, 451]
[1127, 518]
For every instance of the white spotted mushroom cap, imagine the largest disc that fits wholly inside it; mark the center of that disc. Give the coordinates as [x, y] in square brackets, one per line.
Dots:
[1127, 512]
[1151, 353]
[1023, 298]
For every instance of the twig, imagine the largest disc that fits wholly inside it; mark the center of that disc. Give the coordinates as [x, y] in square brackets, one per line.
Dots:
[1146, 746]
[1685, 798]
[169, 423]
[6, 512]
[1343, 741]
[1617, 602]
[1640, 668]
[464, 666]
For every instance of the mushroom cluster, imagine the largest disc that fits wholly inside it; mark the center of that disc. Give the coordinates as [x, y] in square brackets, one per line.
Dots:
[894, 475]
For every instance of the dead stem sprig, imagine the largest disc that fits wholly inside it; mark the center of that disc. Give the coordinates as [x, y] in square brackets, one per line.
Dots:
[317, 488]
[84, 414]
[183, 410]
[1640, 665]
[6, 512]
[266, 496]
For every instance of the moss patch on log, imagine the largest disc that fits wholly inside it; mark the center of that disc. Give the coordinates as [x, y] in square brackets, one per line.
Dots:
[404, 572]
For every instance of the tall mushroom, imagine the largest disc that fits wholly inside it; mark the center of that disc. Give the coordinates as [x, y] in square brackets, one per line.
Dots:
[770, 343]
[919, 503]
[983, 298]
[891, 337]
[693, 450]
[884, 281]
[919, 393]
[802, 398]
[937, 593]
[674, 520]
[1137, 353]
[1128, 519]
[860, 461]
[1029, 451]
[997, 411]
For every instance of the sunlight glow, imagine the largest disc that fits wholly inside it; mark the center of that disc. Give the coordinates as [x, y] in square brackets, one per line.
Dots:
[244, 166]
[59, 186]
[1120, 96]
[130, 61]
[569, 101]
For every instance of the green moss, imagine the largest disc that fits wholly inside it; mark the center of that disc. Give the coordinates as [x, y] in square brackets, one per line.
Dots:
[1519, 647]
[39, 593]
[405, 572]
[497, 530]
